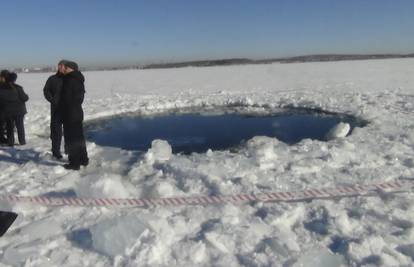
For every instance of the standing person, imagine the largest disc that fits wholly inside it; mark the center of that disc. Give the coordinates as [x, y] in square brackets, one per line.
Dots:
[13, 98]
[3, 139]
[72, 96]
[52, 92]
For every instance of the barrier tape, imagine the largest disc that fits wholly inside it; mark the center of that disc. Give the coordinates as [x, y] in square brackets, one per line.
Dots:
[308, 194]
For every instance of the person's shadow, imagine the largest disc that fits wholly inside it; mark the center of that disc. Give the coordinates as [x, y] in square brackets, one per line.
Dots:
[19, 156]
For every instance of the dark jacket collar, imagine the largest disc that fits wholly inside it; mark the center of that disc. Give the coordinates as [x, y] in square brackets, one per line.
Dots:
[76, 75]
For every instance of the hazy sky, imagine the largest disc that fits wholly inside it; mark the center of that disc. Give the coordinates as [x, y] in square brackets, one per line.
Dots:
[97, 32]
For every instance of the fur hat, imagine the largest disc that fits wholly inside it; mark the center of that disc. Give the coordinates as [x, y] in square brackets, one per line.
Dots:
[71, 64]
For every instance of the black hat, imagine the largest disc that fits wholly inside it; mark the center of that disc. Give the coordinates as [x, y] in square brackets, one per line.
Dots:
[63, 62]
[71, 64]
[11, 77]
[4, 73]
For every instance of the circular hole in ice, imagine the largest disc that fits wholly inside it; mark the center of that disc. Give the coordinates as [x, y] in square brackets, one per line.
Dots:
[195, 131]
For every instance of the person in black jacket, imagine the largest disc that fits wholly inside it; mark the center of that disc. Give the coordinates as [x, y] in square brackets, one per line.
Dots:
[13, 98]
[52, 92]
[3, 139]
[70, 104]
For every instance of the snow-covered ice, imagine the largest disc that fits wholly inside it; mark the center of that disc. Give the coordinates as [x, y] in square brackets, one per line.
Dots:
[357, 231]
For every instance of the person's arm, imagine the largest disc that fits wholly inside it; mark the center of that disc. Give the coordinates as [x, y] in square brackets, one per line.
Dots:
[47, 91]
[22, 95]
[78, 92]
[58, 92]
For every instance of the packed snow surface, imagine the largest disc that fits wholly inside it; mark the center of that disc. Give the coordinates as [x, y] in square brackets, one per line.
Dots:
[357, 231]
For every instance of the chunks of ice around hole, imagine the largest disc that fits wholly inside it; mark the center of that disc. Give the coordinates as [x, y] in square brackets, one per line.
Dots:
[338, 131]
[114, 236]
[160, 151]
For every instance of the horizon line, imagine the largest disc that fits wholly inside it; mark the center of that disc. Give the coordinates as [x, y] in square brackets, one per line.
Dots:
[201, 60]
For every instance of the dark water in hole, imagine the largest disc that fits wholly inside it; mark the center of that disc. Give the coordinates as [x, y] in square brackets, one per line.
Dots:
[197, 133]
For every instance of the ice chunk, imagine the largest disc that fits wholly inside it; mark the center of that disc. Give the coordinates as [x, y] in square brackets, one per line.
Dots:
[160, 151]
[17, 255]
[324, 257]
[368, 248]
[42, 229]
[218, 241]
[338, 131]
[197, 252]
[163, 189]
[407, 250]
[112, 237]
[285, 223]
[262, 150]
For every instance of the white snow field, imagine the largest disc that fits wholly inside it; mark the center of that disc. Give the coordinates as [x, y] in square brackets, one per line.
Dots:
[356, 231]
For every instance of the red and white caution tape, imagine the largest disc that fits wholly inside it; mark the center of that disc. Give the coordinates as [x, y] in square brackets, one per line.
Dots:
[308, 194]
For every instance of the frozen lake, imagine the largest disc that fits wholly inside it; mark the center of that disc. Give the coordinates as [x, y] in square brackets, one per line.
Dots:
[355, 231]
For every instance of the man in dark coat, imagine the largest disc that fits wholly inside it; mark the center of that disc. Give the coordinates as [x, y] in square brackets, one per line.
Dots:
[52, 91]
[70, 103]
[12, 99]
[3, 139]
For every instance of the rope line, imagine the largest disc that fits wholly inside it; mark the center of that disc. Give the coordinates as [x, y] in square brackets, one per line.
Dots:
[292, 196]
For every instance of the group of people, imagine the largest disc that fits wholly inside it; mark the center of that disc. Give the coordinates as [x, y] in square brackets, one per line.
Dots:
[12, 109]
[65, 91]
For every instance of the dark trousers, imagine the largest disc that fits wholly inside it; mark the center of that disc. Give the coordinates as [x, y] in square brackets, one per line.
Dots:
[56, 130]
[3, 138]
[11, 122]
[75, 142]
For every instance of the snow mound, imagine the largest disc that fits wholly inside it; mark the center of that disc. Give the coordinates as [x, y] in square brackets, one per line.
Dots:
[103, 186]
[338, 131]
[114, 236]
[160, 151]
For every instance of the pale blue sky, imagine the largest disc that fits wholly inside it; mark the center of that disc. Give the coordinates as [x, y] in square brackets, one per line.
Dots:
[107, 32]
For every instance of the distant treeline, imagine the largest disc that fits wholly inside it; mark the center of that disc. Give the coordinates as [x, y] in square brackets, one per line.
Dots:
[237, 61]
[244, 61]
[334, 57]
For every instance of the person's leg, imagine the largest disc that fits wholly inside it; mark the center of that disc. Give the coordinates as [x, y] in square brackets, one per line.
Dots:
[70, 133]
[10, 131]
[83, 154]
[3, 138]
[56, 134]
[65, 146]
[19, 120]
[68, 136]
[76, 144]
